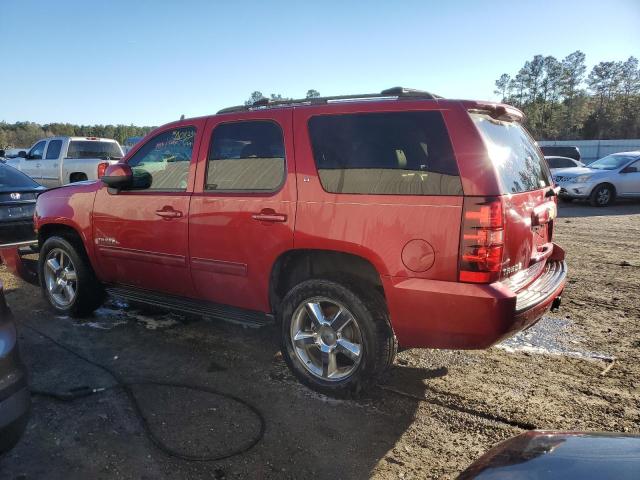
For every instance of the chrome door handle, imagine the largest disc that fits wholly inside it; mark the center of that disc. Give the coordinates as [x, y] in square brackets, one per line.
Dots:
[168, 213]
[269, 215]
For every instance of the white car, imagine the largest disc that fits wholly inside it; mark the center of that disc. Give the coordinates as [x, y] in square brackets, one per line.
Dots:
[614, 176]
[56, 161]
[556, 163]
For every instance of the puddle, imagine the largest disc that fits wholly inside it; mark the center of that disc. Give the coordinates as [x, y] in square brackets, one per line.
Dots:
[551, 336]
[116, 312]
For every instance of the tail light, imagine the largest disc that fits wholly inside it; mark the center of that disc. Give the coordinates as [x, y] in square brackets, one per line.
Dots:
[102, 167]
[482, 240]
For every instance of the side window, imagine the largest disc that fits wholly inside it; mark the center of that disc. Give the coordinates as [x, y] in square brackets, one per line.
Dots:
[165, 159]
[401, 153]
[37, 151]
[247, 156]
[634, 167]
[53, 150]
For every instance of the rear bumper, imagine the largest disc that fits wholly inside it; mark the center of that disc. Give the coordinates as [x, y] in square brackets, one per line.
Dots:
[453, 315]
[18, 231]
[15, 398]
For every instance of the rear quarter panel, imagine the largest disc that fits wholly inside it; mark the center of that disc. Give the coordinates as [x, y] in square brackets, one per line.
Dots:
[375, 227]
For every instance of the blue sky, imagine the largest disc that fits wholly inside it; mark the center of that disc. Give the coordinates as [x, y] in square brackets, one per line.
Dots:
[148, 62]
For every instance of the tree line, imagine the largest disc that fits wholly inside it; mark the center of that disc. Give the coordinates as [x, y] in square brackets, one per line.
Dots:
[562, 101]
[25, 134]
[257, 95]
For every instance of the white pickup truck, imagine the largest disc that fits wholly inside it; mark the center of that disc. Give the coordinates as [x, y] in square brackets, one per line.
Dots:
[56, 161]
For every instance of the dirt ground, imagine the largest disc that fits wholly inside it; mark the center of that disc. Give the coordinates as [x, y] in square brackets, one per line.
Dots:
[436, 412]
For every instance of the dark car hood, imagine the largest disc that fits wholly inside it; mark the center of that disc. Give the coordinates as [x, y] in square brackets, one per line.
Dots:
[560, 455]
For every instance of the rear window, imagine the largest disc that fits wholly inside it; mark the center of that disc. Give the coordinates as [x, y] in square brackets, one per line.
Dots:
[401, 153]
[94, 149]
[517, 161]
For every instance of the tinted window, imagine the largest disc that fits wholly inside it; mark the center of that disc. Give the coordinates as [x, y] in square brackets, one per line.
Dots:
[53, 150]
[37, 151]
[555, 162]
[517, 160]
[246, 156]
[94, 149]
[165, 159]
[12, 178]
[403, 153]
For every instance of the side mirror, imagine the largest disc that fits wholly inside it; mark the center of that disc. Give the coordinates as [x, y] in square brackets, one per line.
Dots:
[22, 154]
[118, 176]
[629, 169]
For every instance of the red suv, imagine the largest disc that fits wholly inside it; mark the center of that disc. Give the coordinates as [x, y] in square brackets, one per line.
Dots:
[360, 223]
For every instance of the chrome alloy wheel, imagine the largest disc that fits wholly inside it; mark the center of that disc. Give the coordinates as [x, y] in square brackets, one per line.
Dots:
[60, 278]
[326, 338]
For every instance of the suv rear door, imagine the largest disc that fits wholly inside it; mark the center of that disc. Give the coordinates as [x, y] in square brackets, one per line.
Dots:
[243, 207]
[141, 235]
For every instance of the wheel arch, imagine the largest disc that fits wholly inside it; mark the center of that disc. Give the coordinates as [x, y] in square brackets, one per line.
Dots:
[69, 232]
[297, 265]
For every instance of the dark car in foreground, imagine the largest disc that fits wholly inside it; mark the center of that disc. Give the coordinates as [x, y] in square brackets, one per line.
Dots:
[18, 194]
[560, 455]
[15, 399]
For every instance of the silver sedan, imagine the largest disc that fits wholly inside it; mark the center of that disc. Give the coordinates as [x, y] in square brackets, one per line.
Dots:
[601, 182]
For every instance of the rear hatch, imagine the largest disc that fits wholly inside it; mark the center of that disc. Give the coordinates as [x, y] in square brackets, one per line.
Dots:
[528, 204]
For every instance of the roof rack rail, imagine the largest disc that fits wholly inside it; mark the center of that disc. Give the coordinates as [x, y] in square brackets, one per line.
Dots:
[395, 92]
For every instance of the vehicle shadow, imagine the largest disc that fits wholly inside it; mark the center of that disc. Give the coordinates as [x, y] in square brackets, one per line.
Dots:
[584, 209]
[306, 434]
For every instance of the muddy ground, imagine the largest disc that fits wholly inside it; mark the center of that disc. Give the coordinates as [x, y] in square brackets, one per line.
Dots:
[437, 412]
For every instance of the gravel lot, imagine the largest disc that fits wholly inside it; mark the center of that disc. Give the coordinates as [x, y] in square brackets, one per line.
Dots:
[436, 413]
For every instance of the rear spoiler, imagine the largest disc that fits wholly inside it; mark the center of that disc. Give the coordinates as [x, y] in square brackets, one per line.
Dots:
[506, 113]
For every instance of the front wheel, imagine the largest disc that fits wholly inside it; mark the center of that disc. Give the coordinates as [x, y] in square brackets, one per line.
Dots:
[602, 196]
[67, 279]
[335, 341]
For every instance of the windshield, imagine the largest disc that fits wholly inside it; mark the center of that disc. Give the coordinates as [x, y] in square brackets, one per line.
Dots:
[10, 178]
[612, 162]
[518, 162]
[89, 149]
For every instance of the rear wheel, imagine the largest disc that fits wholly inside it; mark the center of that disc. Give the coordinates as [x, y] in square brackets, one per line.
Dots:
[67, 280]
[336, 341]
[603, 195]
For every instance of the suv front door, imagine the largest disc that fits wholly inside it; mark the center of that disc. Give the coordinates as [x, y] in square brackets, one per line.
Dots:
[141, 235]
[629, 182]
[243, 207]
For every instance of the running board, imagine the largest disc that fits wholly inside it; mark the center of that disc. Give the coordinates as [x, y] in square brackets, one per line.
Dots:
[239, 316]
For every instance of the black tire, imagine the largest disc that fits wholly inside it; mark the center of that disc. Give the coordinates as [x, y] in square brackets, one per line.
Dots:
[603, 195]
[89, 292]
[368, 311]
